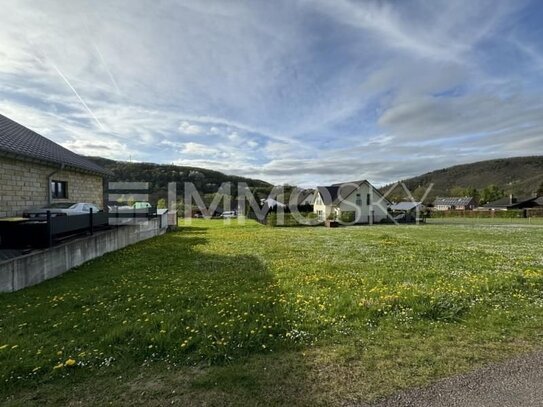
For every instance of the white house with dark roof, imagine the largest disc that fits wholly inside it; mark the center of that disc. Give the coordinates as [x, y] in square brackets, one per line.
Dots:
[35, 171]
[359, 197]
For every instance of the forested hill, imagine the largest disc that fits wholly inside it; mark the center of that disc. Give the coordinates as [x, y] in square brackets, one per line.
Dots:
[158, 175]
[491, 179]
[520, 176]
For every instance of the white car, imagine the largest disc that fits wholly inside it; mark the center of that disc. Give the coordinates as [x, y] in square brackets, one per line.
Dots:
[228, 214]
[62, 209]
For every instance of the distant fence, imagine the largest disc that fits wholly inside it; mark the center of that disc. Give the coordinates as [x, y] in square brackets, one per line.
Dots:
[510, 214]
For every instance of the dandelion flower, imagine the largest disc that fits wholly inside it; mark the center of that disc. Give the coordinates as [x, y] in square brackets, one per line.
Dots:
[69, 362]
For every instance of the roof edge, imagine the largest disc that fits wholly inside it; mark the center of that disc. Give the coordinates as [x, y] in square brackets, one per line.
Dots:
[22, 157]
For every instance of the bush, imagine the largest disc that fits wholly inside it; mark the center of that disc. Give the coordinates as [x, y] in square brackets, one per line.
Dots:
[347, 217]
[289, 220]
[515, 213]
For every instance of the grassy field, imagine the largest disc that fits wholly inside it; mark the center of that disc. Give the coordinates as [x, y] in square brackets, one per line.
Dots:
[219, 314]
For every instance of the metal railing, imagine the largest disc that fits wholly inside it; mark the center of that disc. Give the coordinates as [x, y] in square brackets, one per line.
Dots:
[47, 228]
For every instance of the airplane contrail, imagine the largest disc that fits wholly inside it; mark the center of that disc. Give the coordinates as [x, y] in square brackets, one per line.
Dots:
[111, 77]
[77, 95]
[101, 56]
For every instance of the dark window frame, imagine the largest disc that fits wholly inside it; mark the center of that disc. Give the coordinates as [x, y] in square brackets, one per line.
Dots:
[359, 199]
[59, 189]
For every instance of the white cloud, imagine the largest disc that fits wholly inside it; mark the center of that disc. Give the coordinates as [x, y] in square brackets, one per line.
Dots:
[100, 148]
[193, 129]
[442, 31]
[197, 149]
[311, 92]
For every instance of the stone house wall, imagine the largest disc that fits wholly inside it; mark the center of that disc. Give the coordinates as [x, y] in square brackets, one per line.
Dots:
[23, 185]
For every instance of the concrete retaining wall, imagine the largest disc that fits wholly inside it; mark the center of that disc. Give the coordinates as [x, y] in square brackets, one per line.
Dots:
[33, 268]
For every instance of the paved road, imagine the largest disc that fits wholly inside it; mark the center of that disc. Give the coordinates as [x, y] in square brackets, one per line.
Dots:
[515, 383]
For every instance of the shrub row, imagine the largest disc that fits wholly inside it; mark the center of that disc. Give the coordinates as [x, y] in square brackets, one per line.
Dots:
[479, 214]
[289, 220]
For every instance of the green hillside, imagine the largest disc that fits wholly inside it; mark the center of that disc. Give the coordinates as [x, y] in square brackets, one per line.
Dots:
[518, 176]
[159, 175]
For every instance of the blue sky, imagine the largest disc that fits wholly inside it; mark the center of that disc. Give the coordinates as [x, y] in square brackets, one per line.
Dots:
[305, 92]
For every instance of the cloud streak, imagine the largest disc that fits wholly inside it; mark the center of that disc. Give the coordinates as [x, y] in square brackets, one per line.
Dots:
[301, 92]
[87, 108]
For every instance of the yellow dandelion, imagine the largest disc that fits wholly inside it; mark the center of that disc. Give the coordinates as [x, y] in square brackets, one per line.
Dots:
[69, 362]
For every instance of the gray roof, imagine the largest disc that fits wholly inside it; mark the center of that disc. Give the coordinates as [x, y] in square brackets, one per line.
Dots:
[328, 194]
[453, 201]
[335, 193]
[505, 202]
[405, 206]
[272, 203]
[302, 194]
[17, 141]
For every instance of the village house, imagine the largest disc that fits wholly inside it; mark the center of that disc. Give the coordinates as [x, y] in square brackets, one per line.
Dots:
[305, 197]
[512, 202]
[360, 198]
[454, 203]
[407, 211]
[35, 171]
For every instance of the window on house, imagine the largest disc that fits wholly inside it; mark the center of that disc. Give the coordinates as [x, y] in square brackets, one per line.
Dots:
[358, 199]
[368, 199]
[59, 189]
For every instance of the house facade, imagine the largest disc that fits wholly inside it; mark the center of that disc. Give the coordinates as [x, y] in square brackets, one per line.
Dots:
[360, 198]
[35, 172]
[407, 211]
[454, 203]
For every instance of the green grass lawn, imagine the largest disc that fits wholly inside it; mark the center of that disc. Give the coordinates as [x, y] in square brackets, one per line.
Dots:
[221, 314]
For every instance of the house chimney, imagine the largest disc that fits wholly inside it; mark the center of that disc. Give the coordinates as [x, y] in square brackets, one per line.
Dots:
[511, 199]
